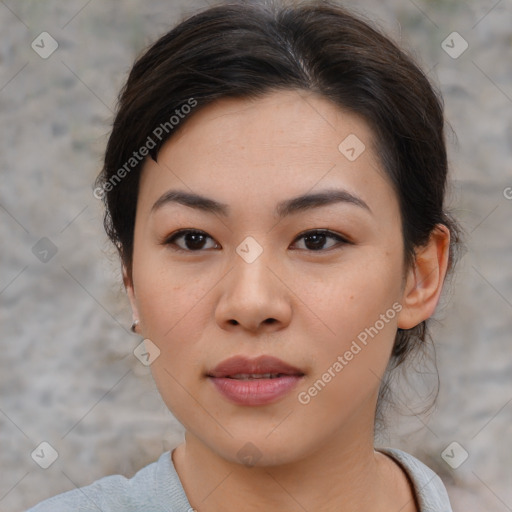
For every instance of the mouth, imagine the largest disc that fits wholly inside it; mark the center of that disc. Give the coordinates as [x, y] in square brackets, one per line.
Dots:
[263, 367]
[249, 376]
[250, 382]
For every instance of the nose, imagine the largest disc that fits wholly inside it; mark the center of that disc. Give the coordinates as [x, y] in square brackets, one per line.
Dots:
[254, 297]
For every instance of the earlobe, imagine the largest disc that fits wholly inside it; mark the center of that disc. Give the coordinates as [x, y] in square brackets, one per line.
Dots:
[425, 279]
[130, 291]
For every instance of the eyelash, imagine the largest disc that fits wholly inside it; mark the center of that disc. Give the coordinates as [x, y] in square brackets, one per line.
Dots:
[179, 234]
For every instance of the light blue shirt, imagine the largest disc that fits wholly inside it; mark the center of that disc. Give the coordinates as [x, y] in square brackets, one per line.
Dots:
[157, 488]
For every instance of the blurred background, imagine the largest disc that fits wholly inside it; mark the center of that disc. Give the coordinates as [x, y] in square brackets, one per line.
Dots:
[68, 375]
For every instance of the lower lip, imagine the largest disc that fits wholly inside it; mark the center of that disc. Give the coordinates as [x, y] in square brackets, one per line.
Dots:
[255, 391]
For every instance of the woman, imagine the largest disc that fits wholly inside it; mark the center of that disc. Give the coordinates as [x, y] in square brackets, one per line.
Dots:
[274, 183]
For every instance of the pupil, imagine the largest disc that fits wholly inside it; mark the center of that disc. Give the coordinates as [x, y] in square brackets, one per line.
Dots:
[318, 240]
[196, 241]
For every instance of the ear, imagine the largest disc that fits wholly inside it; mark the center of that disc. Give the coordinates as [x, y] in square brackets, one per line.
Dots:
[130, 291]
[425, 279]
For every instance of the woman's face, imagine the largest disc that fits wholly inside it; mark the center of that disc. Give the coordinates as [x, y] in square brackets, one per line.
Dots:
[259, 282]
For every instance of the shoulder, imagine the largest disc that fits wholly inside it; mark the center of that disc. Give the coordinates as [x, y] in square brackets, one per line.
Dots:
[429, 488]
[155, 486]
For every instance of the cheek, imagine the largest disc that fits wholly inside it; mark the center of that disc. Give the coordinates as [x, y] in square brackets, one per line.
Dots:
[169, 296]
[349, 365]
[173, 319]
[353, 295]
[358, 308]
[174, 313]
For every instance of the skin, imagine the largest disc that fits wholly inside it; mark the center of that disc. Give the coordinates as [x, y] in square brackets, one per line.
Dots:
[251, 154]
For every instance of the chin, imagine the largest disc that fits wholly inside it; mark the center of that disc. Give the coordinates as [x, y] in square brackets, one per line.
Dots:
[258, 449]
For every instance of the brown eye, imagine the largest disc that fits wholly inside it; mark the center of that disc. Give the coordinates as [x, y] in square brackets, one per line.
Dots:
[196, 241]
[315, 240]
[192, 240]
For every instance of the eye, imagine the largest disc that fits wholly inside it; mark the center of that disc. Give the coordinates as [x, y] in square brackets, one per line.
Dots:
[315, 240]
[193, 240]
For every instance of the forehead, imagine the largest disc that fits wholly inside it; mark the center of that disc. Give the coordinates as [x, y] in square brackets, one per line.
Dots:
[287, 120]
[282, 144]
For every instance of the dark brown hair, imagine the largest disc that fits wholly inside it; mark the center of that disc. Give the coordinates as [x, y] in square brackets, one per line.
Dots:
[247, 49]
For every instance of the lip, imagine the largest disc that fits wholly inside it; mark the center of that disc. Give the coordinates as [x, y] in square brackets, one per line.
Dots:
[259, 365]
[259, 391]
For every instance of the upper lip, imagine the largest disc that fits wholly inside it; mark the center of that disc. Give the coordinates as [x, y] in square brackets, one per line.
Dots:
[259, 365]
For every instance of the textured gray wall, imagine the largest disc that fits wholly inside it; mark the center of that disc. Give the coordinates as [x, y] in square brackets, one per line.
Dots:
[68, 375]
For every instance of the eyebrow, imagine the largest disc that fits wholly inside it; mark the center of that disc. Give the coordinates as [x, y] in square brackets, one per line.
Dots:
[283, 209]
